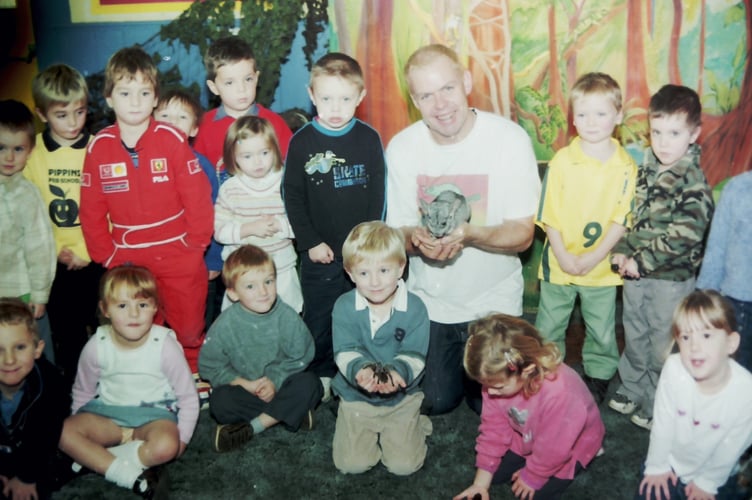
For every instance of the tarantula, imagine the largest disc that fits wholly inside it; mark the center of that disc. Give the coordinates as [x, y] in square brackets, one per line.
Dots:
[381, 372]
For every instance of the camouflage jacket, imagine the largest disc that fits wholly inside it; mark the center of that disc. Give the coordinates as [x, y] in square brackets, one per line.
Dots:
[672, 211]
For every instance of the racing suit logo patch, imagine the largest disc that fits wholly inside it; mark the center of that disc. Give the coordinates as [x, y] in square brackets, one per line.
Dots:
[159, 165]
[112, 170]
[194, 167]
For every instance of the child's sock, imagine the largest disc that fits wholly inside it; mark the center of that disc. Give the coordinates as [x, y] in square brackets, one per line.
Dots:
[257, 426]
[123, 472]
[126, 450]
[126, 468]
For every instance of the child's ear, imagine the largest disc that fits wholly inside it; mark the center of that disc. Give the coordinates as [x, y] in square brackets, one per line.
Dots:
[695, 134]
[103, 309]
[310, 95]
[362, 96]
[232, 295]
[39, 349]
[350, 275]
[733, 342]
[40, 115]
[212, 86]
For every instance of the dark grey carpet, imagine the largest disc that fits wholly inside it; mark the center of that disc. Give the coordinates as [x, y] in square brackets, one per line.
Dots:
[282, 465]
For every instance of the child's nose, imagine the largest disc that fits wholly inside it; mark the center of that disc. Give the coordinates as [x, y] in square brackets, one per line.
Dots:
[9, 357]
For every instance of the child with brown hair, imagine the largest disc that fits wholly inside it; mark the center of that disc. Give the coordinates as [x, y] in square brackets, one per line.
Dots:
[249, 208]
[145, 200]
[34, 405]
[27, 252]
[539, 423]
[673, 206]
[232, 75]
[255, 356]
[702, 420]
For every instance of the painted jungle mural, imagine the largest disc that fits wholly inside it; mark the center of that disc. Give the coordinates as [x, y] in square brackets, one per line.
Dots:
[525, 54]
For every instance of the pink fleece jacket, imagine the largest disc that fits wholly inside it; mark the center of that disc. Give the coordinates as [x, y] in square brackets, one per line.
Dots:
[554, 429]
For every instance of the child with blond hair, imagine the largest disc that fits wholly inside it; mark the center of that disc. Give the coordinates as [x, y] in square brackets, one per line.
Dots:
[60, 98]
[539, 426]
[135, 405]
[585, 209]
[335, 178]
[380, 337]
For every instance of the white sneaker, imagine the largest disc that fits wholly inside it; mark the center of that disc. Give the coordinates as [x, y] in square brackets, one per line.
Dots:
[326, 382]
[642, 420]
[622, 404]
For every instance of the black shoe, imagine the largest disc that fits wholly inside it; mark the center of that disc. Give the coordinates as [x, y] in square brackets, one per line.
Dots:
[597, 387]
[153, 483]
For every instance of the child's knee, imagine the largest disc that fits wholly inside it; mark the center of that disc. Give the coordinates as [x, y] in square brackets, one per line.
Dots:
[403, 465]
[354, 465]
[160, 449]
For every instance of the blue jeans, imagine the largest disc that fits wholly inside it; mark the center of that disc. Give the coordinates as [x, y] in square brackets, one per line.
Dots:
[743, 312]
[445, 382]
[322, 284]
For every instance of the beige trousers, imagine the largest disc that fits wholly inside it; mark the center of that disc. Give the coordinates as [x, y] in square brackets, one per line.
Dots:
[395, 435]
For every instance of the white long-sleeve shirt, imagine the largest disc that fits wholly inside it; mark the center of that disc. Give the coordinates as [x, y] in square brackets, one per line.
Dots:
[699, 436]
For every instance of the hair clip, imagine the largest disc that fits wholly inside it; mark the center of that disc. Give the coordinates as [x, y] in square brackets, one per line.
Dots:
[510, 357]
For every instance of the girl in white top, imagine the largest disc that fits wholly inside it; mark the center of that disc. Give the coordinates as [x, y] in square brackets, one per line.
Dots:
[702, 419]
[135, 405]
[249, 208]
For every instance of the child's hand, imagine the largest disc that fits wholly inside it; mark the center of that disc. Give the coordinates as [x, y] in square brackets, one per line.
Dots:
[263, 227]
[321, 254]
[77, 263]
[657, 485]
[473, 492]
[631, 270]
[37, 309]
[65, 256]
[584, 263]
[265, 390]
[568, 263]
[18, 490]
[366, 378]
[694, 492]
[520, 489]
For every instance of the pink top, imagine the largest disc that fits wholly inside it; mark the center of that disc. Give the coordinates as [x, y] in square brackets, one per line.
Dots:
[553, 430]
